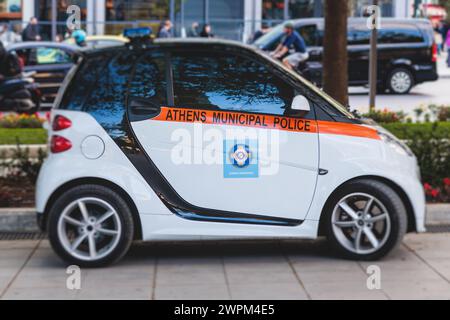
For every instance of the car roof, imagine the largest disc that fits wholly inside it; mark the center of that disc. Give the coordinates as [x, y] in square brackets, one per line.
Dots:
[392, 22]
[38, 44]
[178, 42]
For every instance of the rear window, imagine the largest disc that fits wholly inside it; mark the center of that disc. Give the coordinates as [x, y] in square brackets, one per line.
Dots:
[360, 35]
[81, 84]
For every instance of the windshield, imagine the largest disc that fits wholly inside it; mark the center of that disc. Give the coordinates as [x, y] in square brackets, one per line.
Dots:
[271, 37]
[296, 77]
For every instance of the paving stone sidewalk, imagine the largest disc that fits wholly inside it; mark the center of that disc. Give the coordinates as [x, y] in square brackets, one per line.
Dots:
[419, 269]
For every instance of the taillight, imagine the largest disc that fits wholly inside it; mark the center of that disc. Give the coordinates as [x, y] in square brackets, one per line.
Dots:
[61, 123]
[59, 144]
[434, 53]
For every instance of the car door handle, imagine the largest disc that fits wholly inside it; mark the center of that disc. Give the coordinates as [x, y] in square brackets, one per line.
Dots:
[142, 109]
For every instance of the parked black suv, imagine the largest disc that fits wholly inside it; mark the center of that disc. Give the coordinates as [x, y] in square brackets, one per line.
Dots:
[407, 53]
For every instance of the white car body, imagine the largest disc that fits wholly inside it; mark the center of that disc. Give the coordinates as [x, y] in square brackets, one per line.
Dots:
[299, 191]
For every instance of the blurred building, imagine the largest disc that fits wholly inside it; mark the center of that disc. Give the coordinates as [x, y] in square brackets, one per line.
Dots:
[233, 19]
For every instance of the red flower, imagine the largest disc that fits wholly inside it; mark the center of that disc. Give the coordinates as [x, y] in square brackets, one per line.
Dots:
[447, 181]
[427, 186]
[434, 193]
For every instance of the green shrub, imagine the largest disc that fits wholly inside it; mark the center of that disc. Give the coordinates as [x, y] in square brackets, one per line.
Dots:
[430, 142]
[21, 164]
[385, 116]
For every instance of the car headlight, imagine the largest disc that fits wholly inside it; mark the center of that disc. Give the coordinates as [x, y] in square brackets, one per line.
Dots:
[395, 143]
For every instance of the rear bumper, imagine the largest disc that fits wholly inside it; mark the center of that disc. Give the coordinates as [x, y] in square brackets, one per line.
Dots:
[424, 73]
[41, 221]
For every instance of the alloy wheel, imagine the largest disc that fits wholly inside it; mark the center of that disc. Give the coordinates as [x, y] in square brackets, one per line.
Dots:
[89, 229]
[361, 223]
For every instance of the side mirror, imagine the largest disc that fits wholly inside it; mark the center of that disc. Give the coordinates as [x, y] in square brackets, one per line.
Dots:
[300, 103]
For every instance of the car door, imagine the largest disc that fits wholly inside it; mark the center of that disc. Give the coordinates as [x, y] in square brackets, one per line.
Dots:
[226, 147]
[50, 66]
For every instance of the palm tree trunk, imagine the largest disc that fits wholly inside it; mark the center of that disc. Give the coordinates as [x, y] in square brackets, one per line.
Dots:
[335, 61]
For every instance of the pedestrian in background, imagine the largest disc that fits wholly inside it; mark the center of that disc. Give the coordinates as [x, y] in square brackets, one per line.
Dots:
[439, 40]
[447, 43]
[32, 31]
[207, 31]
[193, 31]
[8, 36]
[165, 30]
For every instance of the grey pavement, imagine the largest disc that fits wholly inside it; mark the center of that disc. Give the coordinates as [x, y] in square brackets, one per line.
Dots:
[289, 269]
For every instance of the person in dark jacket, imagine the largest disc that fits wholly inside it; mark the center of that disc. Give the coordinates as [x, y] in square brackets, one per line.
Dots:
[165, 30]
[193, 31]
[206, 31]
[32, 32]
[9, 64]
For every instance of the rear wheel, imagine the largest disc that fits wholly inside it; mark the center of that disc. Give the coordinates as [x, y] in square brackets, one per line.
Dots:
[90, 226]
[400, 81]
[365, 220]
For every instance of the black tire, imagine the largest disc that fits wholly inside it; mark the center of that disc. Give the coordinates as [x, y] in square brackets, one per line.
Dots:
[113, 199]
[393, 204]
[400, 72]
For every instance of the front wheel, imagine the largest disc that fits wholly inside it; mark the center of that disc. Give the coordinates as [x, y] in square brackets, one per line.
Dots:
[90, 226]
[365, 220]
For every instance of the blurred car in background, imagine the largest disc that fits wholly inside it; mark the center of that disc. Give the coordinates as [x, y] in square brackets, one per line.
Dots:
[49, 62]
[407, 53]
[101, 41]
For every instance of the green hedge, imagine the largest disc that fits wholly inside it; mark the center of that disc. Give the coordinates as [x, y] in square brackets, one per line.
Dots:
[23, 136]
[430, 142]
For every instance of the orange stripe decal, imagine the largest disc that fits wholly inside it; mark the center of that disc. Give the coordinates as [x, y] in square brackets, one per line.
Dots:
[348, 129]
[263, 122]
[236, 119]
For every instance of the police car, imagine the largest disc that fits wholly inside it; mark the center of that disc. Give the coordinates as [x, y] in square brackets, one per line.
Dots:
[182, 139]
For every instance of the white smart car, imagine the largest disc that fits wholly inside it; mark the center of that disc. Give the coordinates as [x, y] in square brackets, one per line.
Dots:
[210, 139]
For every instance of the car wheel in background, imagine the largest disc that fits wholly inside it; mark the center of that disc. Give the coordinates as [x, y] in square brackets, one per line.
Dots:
[365, 220]
[90, 226]
[400, 81]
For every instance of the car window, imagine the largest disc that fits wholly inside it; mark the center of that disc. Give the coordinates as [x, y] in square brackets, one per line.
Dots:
[51, 56]
[392, 35]
[149, 80]
[358, 36]
[228, 82]
[310, 34]
[28, 56]
[84, 80]
[43, 55]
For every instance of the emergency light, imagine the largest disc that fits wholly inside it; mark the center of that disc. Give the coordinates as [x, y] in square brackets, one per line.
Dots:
[140, 38]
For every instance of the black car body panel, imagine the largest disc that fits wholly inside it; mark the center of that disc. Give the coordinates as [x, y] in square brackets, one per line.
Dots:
[405, 43]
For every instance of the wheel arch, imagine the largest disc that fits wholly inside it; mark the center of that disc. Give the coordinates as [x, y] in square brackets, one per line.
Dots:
[399, 190]
[97, 181]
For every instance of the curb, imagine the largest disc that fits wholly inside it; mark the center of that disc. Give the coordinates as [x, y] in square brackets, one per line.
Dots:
[18, 220]
[24, 219]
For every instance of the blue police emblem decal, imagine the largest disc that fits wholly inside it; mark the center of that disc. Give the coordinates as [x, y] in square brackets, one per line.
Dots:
[240, 159]
[240, 155]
